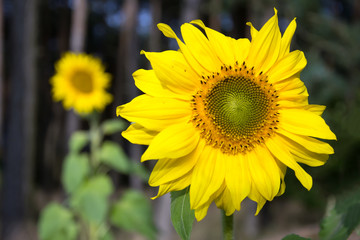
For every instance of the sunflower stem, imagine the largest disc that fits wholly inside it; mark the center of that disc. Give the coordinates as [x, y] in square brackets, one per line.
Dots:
[228, 226]
[95, 139]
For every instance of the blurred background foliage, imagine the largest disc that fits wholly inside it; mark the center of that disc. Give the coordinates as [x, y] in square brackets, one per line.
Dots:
[34, 130]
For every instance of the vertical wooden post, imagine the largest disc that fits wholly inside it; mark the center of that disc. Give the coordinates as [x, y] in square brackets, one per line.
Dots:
[1, 74]
[20, 128]
[214, 14]
[127, 63]
[78, 26]
[190, 10]
[77, 44]
[155, 34]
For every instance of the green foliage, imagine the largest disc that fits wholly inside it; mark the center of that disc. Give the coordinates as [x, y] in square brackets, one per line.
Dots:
[57, 223]
[107, 236]
[112, 126]
[133, 213]
[75, 169]
[343, 219]
[294, 237]
[86, 213]
[182, 216]
[78, 141]
[112, 155]
[91, 199]
[333, 227]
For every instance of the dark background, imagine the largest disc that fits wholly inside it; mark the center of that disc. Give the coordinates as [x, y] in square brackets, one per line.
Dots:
[34, 130]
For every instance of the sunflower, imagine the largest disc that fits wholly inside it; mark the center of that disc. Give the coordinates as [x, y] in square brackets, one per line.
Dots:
[226, 116]
[80, 82]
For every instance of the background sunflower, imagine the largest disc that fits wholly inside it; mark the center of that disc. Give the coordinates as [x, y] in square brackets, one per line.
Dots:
[80, 82]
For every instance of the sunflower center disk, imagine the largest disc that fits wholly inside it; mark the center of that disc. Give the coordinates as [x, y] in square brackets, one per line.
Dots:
[235, 110]
[238, 106]
[82, 81]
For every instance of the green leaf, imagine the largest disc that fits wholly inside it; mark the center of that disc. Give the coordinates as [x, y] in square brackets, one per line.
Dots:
[78, 141]
[113, 155]
[133, 213]
[112, 126]
[107, 236]
[182, 216]
[94, 207]
[347, 200]
[104, 232]
[75, 169]
[343, 219]
[294, 237]
[100, 184]
[57, 223]
[338, 226]
[91, 199]
[332, 227]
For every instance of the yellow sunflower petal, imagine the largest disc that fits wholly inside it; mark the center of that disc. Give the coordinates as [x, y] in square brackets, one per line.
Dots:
[282, 171]
[305, 123]
[287, 37]
[208, 176]
[309, 158]
[176, 185]
[291, 83]
[285, 157]
[295, 94]
[167, 170]
[224, 201]
[155, 113]
[137, 134]
[237, 178]
[193, 63]
[302, 155]
[309, 143]
[173, 71]
[199, 46]
[241, 48]
[264, 172]
[292, 104]
[253, 31]
[287, 66]
[264, 49]
[201, 211]
[258, 198]
[147, 81]
[317, 109]
[175, 141]
[259, 176]
[219, 43]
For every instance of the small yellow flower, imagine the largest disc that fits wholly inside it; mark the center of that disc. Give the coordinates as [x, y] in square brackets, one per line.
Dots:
[81, 82]
[226, 116]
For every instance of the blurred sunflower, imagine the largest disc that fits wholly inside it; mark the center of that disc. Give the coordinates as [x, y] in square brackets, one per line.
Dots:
[80, 82]
[227, 116]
